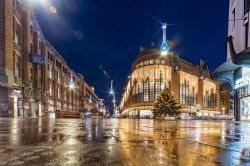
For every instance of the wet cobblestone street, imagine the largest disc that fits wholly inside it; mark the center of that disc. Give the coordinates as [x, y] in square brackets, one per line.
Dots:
[123, 142]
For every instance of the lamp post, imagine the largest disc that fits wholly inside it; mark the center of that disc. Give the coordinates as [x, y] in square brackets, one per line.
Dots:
[112, 93]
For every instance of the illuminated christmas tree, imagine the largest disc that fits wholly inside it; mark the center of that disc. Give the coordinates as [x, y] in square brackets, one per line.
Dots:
[166, 104]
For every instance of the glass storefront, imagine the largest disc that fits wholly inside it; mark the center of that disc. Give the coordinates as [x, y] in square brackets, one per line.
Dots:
[245, 108]
[244, 95]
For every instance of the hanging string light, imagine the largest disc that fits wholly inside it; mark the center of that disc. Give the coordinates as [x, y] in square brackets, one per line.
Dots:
[164, 45]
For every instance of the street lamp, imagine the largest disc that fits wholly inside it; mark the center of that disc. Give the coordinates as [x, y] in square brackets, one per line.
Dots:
[111, 92]
[164, 45]
[71, 84]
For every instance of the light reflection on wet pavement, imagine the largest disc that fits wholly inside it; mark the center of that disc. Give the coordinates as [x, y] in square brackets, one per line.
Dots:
[123, 142]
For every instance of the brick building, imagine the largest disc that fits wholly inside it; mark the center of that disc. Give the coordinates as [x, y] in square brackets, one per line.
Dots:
[34, 77]
[90, 98]
[152, 72]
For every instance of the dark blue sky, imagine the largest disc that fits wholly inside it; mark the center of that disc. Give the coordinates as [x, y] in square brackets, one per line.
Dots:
[90, 33]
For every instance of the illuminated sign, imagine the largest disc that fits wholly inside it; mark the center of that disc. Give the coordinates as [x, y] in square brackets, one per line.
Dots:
[37, 59]
[242, 82]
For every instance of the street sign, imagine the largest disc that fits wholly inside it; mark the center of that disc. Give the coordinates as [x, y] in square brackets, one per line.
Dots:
[37, 59]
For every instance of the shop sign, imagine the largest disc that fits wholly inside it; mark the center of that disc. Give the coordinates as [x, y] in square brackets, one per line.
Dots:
[242, 82]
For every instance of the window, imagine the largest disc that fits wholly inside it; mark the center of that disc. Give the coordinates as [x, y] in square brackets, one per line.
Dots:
[163, 62]
[50, 71]
[146, 62]
[16, 31]
[247, 5]
[50, 89]
[146, 95]
[151, 91]
[31, 40]
[41, 47]
[208, 99]
[157, 88]
[157, 61]
[140, 92]
[59, 93]
[151, 61]
[58, 78]
[188, 89]
[14, 3]
[187, 94]
[18, 67]
[65, 95]
[31, 73]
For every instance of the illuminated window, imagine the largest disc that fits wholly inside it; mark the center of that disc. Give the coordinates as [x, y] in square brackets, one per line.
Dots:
[157, 61]
[58, 78]
[209, 94]
[153, 80]
[146, 94]
[151, 91]
[140, 94]
[50, 89]
[151, 61]
[50, 71]
[188, 89]
[146, 62]
[163, 61]
[18, 66]
[59, 93]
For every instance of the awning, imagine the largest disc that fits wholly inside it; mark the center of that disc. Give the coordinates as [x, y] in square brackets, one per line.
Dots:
[226, 66]
[225, 72]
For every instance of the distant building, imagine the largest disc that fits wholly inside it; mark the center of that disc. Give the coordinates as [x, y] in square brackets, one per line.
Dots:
[235, 72]
[90, 99]
[152, 72]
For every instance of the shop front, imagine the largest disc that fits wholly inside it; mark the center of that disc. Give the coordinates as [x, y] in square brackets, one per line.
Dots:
[245, 108]
[242, 88]
[146, 114]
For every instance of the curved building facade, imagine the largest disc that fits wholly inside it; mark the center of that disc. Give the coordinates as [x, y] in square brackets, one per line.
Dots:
[151, 73]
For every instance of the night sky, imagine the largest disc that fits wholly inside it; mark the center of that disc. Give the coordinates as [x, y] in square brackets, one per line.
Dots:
[90, 33]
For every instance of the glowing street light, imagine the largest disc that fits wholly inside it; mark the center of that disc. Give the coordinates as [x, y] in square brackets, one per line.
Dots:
[164, 45]
[111, 92]
[71, 84]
